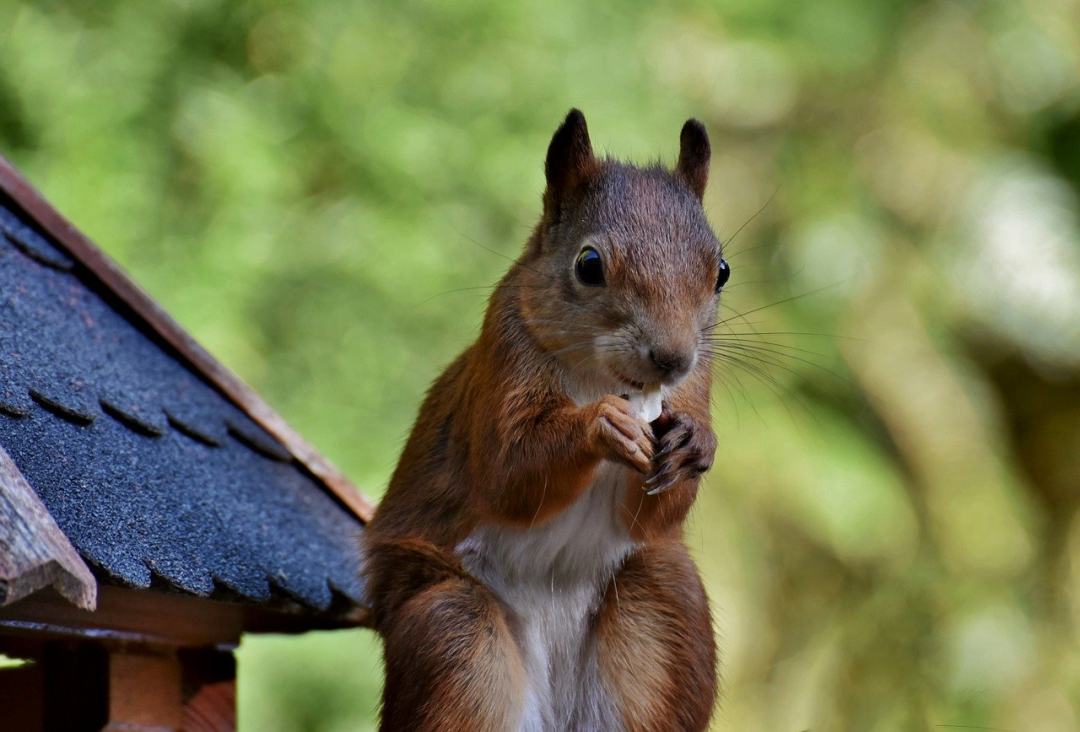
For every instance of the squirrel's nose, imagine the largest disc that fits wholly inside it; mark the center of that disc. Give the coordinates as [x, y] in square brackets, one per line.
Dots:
[670, 363]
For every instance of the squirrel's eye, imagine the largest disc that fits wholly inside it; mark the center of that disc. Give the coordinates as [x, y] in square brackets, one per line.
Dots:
[723, 275]
[589, 268]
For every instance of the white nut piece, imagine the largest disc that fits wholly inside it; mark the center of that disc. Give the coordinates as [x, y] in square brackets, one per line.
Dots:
[648, 403]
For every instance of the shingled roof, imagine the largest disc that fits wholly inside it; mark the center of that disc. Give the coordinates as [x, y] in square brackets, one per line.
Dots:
[162, 469]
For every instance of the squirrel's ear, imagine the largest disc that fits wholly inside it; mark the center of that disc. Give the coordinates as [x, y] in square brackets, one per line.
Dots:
[694, 154]
[570, 160]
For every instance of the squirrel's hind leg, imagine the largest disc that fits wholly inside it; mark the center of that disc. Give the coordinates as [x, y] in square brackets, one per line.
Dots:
[451, 662]
[655, 646]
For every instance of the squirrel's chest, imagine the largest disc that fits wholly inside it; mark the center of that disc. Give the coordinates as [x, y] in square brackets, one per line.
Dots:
[582, 545]
[553, 577]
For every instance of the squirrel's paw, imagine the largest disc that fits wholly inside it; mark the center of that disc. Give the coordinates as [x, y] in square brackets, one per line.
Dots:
[621, 435]
[686, 451]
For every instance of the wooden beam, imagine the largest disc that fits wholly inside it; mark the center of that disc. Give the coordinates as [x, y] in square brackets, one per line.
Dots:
[153, 316]
[158, 619]
[34, 553]
[142, 617]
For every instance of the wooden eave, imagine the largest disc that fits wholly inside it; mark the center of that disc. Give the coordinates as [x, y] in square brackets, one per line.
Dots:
[155, 619]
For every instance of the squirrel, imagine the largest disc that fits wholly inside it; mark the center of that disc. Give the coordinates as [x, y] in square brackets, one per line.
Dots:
[526, 568]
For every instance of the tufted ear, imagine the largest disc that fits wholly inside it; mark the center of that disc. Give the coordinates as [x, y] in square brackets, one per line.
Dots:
[694, 154]
[570, 160]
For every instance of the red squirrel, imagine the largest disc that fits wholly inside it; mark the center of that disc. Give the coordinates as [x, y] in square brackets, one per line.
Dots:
[526, 569]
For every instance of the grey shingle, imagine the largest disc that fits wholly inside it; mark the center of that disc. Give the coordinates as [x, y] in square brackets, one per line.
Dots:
[153, 474]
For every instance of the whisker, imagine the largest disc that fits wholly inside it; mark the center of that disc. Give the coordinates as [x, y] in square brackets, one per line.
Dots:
[751, 364]
[721, 378]
[756, 349]
[766, 380]
[745, 394]
[738, 315]
[774, 304]
[633, 521]
[539, 506]
[756, 214]
[749, 249]
[787, 332]
[497, 253]
[761, 357]
[722, 340]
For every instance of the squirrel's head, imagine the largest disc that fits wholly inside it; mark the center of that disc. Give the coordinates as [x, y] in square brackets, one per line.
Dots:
[624, 272]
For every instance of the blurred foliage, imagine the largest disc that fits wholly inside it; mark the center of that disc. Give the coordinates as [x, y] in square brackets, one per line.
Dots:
[324, 191]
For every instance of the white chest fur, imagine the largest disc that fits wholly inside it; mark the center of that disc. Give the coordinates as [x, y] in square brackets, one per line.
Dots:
[552, 576]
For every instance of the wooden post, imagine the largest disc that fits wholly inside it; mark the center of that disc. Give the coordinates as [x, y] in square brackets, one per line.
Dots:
[144, 692]
[86, 686]
[154, 691]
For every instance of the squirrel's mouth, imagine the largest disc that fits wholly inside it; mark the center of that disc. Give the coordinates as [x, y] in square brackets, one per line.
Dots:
[637, 385]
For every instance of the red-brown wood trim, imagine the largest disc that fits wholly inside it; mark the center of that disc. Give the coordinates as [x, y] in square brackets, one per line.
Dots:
[160, 322]
[156, 619]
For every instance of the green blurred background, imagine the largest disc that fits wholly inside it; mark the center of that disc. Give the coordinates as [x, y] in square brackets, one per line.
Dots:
[322, 192]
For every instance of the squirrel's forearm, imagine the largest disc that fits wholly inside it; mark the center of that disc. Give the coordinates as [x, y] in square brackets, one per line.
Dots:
[538, 467]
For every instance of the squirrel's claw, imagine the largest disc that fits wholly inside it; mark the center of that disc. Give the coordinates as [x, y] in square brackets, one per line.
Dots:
[685, 452]
[662, 488]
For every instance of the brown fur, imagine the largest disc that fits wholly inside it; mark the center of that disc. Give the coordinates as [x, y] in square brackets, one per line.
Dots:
[499, 441]
[450, 656]
[656, 646]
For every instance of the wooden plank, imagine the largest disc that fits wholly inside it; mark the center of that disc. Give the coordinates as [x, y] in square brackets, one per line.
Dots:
[34, 553]
[158, 619]
[161, 323]
[145, 617]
